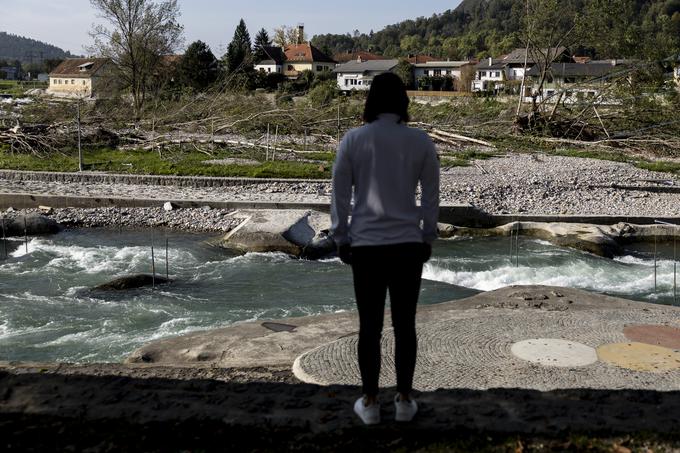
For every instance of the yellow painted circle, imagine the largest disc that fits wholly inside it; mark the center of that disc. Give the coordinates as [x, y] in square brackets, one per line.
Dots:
[640, 357]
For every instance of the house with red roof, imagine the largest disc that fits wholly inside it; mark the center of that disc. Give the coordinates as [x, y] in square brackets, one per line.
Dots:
[305, 57]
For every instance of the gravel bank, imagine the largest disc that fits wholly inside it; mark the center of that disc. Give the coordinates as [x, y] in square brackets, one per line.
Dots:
[514, 184]
[193, 219]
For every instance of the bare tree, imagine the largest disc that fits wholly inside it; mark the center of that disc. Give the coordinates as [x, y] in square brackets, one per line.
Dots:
[140, 33]
[285, 36]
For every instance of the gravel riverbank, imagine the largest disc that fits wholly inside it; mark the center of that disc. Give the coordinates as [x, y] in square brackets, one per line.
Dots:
[513, 184]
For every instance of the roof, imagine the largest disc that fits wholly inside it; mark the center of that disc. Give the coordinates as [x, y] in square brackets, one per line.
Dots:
[443, 64]
[356, 67]
[415, 59]
[518, 55]
[79, 67]
[273, 55]
[592, 69]
[344, 57]
[306, 53]
[485, 65]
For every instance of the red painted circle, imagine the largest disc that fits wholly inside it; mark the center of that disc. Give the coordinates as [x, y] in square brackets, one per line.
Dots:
[664, 336]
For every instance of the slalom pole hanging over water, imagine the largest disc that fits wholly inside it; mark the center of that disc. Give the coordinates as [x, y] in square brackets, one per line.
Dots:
[25, 235]
[153, 264]
[4, 239]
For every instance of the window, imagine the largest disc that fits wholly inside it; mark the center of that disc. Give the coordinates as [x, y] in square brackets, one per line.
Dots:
[346, 82]
[83, 82]
[482, 74]
[448, 72]
[497, 74]
[73, 82]
[319, 68]
[291, 67]
[437, 72]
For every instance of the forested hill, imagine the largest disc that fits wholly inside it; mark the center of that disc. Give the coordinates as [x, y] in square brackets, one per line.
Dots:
[26, 50]
[481, 28]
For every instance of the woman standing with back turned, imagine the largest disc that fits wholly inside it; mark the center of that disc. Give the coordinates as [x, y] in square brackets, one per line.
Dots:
[381, 164]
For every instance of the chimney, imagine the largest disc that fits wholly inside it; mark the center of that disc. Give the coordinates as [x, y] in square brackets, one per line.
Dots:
[490, 61]
[300, 33]
[614, 62]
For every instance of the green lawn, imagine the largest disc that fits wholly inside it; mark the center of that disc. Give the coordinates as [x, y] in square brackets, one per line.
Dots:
[18, 88]
[169, 163]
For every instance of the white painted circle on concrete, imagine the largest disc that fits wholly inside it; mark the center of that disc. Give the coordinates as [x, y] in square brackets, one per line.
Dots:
[554, 352]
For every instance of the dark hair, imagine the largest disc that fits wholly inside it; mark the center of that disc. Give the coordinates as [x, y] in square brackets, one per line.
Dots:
[387, 95]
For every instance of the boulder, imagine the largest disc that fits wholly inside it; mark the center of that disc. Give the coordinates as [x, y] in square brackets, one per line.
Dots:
[301, 233]
[36, 224]
[132, 282]
[596, 239]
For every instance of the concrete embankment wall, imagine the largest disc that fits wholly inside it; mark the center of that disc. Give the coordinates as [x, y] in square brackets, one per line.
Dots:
[459, 214]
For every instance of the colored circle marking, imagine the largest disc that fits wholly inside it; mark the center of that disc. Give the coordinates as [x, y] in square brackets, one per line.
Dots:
[554, 352]
[664, 336]
[640, 357]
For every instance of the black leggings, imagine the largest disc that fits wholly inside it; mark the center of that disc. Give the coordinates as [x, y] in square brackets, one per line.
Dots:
[376, 269]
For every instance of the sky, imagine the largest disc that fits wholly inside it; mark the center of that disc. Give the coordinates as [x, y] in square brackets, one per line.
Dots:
[65, 23]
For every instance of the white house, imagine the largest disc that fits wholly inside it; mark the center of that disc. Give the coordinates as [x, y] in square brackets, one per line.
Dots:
[489, 75]
[273, 61]
[358, 75]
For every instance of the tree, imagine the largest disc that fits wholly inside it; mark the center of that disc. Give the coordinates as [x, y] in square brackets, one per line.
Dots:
[140, 33]
[198, 68]
[239, 57]
[285, 36]
[405, 70]
[262, 40]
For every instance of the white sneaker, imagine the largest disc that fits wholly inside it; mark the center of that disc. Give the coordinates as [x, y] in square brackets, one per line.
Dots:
[370, 415]
[406, 410]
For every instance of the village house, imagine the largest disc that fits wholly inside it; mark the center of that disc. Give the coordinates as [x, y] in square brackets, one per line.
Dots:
[502, 73]
[575, 82]
[489, 76]
[10, 73]
[358, 75]
[274, 61]
[79, 77]
[425, 73]
[305, 57]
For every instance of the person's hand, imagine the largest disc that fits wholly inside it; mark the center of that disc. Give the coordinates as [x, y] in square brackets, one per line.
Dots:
[426, 252]
[345, 253]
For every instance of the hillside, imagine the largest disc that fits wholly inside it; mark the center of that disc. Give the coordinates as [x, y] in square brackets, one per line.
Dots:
[26, 50]
[481, 28]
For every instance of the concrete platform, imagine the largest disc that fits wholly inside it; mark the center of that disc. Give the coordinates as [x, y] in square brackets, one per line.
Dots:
[463, 344]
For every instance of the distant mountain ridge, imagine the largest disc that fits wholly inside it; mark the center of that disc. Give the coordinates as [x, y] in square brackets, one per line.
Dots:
[27, 50]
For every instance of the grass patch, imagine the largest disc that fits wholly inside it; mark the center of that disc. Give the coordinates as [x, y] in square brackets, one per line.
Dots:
[445, 162]
[17, 88]
[169, 163]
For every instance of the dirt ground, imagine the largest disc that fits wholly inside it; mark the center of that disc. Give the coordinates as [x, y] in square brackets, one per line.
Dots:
[149, 408]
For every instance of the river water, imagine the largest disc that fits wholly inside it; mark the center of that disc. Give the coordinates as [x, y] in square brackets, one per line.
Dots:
[49, 313]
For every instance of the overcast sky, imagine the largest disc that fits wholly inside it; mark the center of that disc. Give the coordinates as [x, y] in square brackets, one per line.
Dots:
[65, 23]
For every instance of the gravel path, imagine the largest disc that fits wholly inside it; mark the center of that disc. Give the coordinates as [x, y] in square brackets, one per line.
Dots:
[518, 183]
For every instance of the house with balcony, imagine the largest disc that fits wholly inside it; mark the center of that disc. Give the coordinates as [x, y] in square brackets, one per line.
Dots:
[358, 75]
[433, 75]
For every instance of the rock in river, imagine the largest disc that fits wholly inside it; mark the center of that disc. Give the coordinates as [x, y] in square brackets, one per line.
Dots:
[301, 233]
[132, 282]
